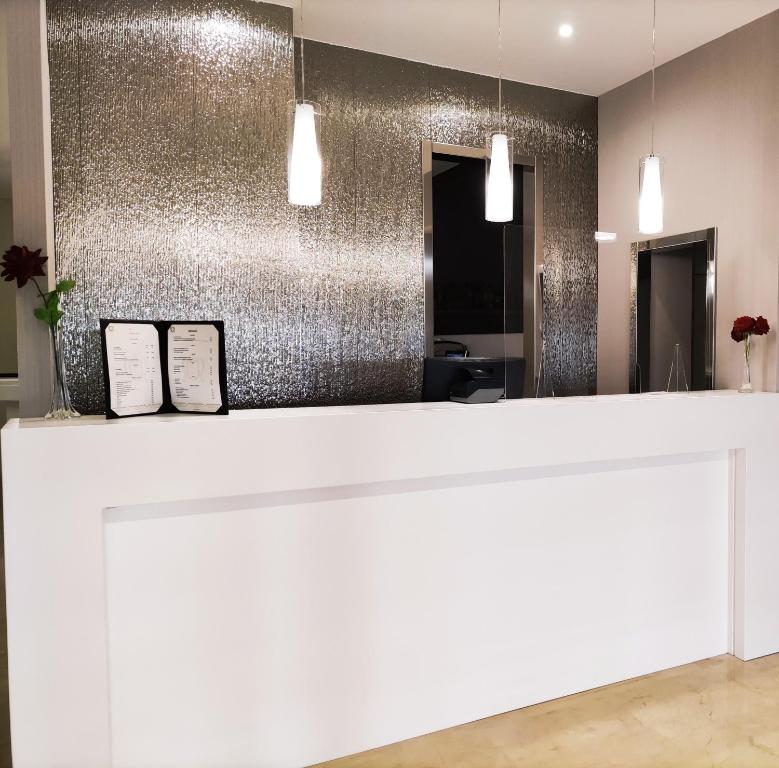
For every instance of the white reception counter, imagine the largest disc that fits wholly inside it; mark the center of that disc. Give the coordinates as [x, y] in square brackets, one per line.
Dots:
[275, 588]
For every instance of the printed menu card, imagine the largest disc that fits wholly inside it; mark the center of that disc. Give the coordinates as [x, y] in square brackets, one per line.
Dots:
[163, 367]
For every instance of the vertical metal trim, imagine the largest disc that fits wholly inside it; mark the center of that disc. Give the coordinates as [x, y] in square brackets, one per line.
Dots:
[539, 348]
[427, 223]
[711, 306]
[634, 381]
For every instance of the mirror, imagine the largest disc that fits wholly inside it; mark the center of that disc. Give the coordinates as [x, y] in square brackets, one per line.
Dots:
[480, 277]
[673, 294]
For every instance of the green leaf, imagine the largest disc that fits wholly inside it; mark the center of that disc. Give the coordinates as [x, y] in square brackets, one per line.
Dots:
[64, 286]
[52, 300]
[49, 315]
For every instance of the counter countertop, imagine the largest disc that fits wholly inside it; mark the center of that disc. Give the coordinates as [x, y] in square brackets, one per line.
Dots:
[381, 408]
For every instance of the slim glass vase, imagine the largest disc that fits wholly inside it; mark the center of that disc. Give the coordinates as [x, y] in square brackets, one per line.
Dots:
[60, 407]
[746, 385]
[677, 376]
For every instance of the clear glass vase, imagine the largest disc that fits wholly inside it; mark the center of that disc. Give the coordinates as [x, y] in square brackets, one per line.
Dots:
[746, 385]
[677, 376]
[544, 387]
[60, 407]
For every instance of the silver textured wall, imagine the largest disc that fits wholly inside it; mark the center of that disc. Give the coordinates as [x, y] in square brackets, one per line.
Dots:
[169, 141]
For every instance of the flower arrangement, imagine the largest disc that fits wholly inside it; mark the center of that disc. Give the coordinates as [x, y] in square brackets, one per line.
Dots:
[744, 328]
[23, 265]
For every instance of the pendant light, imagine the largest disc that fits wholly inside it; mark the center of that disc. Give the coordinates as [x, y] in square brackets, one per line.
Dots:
[650, 173]
[304, 155]
[499, 199]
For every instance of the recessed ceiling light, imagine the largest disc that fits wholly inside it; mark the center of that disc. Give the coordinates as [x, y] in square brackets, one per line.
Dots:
[605, 237]
[566, 30]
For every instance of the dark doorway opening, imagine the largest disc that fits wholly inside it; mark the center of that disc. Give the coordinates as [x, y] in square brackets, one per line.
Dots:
[673, 307]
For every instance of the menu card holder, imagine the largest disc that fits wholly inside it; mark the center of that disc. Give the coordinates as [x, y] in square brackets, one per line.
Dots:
[163, 367]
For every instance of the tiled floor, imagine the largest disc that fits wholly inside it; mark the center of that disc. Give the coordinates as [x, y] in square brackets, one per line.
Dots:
[719, 712]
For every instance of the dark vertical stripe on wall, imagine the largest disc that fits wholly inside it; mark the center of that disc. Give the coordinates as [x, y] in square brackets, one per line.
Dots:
[169, 137]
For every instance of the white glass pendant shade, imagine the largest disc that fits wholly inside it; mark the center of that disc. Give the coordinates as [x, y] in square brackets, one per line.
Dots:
[500, 178]
[304, 156]
[650, 195]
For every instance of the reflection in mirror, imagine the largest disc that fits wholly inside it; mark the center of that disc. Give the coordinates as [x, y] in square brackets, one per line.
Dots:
[468, 255]
[479, 287]
[672, 323]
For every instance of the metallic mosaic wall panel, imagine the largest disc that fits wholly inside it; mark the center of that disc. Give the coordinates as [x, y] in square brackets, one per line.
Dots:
[169, 140]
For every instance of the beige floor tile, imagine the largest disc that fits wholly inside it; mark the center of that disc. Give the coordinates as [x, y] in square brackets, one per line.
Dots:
[719, 712]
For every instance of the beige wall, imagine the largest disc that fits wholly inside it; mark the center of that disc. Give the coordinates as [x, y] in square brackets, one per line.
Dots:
[718, 130]
[28, 99]
[7, 296]
[7, 291]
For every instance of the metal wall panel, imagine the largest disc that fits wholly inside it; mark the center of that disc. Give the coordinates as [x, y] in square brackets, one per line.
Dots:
[169, 139]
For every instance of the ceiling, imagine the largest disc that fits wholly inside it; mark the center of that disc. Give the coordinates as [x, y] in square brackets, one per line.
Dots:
[611, 43]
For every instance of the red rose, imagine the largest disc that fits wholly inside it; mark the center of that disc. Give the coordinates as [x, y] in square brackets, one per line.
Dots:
[744, 324]
[761, 326]
[21, 264]
[741, 327]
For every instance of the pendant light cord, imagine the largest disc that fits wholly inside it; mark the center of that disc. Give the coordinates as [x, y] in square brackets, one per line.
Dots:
[302, 57]
[654, 36]
[500, 67]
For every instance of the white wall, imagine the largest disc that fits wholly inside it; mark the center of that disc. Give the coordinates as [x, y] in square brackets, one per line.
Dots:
[717, 128]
